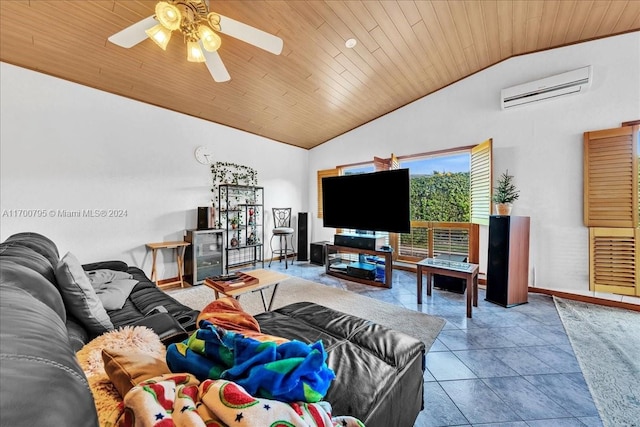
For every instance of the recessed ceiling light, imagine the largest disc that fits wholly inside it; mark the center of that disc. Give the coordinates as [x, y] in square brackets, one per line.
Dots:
[351, 43]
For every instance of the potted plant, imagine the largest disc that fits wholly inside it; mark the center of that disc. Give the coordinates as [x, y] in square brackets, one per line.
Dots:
[234, 222]
[505, 193]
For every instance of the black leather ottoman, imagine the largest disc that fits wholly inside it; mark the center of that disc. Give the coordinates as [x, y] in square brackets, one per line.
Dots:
[379, 372]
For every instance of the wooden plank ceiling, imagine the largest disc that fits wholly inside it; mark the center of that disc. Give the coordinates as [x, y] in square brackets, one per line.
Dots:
[317, 88]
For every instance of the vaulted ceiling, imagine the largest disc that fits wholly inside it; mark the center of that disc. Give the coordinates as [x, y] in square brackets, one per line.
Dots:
[317, 88]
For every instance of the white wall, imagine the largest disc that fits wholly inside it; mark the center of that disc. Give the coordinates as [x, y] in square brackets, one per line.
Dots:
[65, 146]
[69, 147]
[540, 144]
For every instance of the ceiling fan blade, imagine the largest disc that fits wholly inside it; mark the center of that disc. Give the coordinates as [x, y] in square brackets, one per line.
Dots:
[133, 34]
[251, 35]
[216, 67]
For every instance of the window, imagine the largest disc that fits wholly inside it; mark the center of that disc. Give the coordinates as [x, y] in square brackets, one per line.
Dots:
[450, 195]
[439, 187]
[322, 174]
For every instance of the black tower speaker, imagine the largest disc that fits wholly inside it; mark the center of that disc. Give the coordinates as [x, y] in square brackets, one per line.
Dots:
[204, 212]
[498, 261]
[508, 261]
[303, 232]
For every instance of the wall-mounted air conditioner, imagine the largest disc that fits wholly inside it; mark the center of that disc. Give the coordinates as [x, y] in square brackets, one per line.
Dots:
[569, 83]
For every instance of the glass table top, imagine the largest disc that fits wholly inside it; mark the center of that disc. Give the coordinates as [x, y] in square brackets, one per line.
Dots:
[449, 265]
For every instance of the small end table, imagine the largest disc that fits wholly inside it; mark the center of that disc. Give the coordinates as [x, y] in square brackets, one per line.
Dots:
[461, 270]
[180, 247]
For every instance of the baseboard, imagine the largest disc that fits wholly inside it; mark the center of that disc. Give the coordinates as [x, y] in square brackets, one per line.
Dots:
[586, 298]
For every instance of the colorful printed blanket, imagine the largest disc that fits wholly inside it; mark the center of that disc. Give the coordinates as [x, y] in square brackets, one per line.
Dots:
[227, 313]
[180, 400]
[289, 372]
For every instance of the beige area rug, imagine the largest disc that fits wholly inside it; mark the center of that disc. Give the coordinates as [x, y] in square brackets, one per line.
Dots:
[419, 325]
[606, 342]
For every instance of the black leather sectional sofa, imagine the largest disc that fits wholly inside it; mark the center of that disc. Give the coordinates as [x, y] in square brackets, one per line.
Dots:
[379, 372]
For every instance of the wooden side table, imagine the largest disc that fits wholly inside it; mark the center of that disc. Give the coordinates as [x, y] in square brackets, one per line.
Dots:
[462, 270]
[179, 247]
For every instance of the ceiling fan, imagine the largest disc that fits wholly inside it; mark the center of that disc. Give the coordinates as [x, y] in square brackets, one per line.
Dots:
[199, 28]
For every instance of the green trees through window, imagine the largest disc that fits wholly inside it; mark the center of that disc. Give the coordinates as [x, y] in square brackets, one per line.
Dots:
[440, 197]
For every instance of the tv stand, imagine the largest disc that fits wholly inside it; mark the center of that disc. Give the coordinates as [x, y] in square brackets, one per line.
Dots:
[332, 255]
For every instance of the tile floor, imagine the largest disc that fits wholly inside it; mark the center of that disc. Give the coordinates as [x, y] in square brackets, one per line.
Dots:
[504, 367]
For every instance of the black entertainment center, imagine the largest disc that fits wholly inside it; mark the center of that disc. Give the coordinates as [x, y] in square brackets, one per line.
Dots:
[360, 241]
[374, 267]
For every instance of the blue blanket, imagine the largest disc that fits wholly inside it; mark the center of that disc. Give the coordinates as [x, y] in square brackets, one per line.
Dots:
[289, 372]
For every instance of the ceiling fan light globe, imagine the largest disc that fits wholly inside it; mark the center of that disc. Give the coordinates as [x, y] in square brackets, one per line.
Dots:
[194, 53]
[160, 35]
[210, 40]
[168, 15]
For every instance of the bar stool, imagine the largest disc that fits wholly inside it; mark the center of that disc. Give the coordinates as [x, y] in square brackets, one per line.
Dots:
[282, 229]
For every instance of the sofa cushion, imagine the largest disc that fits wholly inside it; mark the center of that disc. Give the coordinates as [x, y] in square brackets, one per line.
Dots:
[126, 369]
[39, 243]
[31, 259]
[386, 367]
[26, 278]
[79, 296]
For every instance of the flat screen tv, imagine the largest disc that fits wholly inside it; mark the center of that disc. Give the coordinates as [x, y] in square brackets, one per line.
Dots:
[377, 201]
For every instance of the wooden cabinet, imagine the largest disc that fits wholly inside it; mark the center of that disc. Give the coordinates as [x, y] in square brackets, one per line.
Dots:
[204, 257]
[508, 262]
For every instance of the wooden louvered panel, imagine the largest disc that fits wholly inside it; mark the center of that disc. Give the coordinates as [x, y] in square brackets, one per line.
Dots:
[481, 183]
[323, 174]
[610, 183]
[614, 255]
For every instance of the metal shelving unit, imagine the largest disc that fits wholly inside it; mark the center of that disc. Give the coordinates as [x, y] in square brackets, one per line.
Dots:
[241, 214]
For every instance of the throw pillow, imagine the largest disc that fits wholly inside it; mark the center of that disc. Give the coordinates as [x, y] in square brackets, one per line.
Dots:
[114, 294]
[113, 287]
[104, 275]
[126, 369]
[79, 296]
[132, 339]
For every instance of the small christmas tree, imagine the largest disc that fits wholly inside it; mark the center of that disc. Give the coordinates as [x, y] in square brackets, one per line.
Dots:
[505, 192]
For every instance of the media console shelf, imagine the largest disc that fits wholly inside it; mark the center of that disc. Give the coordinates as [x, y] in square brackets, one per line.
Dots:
[332, 255]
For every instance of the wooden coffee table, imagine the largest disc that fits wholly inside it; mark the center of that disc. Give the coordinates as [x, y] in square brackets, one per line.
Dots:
[266, 279]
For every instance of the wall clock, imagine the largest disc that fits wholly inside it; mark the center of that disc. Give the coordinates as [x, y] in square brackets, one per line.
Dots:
[204, 155]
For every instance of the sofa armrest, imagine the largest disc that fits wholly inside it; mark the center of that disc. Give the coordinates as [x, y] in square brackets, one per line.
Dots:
[106, 265]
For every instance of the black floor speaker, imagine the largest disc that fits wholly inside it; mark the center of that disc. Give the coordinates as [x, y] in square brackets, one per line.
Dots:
[508, 260]
[303, 236]
[318, 252]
